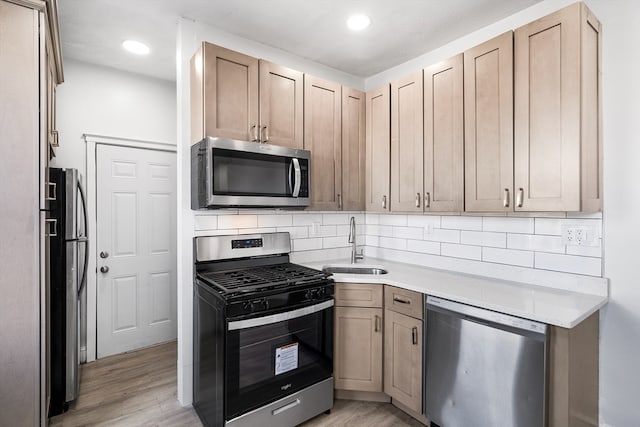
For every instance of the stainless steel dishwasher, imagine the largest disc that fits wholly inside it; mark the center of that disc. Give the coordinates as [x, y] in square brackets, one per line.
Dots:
[482, 368]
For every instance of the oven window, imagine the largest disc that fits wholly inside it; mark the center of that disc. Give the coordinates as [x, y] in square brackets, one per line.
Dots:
[250, 174]
[267, 362]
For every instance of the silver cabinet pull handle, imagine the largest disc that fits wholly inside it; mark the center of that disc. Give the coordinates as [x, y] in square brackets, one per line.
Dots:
[505, 200]
[401, 301]
[519, 197]
[417, 200]
[265, 134]
[254, 132]
[414, 335]
[104, 269]
[53, 225]
[427, 200]
[376, 326]
[339, 201]
[51, 191]
[384, 202]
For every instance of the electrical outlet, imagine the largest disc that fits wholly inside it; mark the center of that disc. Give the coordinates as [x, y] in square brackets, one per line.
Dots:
[314, 229]
[578, 235]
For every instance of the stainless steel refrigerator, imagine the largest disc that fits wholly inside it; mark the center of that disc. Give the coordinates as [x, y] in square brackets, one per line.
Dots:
[69, 257]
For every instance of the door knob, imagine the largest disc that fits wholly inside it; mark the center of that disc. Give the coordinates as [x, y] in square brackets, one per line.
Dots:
[104, 269]
[104, 254]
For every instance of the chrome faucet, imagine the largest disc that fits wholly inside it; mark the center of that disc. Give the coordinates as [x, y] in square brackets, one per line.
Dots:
[355, 256]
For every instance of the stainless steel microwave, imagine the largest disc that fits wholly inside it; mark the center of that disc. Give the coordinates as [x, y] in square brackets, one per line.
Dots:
[228, 173]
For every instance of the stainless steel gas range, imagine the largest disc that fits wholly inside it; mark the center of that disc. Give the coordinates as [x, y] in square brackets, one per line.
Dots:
[263, 333]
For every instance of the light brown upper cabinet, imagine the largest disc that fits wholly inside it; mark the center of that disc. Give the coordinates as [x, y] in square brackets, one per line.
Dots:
[322, 130]
[444, 136]
[240, 97]
[557, 147]
[488, 125]
[281, 106]
[378, 150]
[353, 150]
[406, 144]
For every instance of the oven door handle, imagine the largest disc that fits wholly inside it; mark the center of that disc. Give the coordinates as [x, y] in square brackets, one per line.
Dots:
[280, 317]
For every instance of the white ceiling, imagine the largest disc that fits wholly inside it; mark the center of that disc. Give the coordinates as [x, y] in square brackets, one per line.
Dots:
[93, 30]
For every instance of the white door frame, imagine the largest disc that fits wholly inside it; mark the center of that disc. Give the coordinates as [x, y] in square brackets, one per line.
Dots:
[92, 142]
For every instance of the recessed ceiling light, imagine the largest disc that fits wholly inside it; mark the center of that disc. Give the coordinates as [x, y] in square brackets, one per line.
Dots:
[135, 47]
[358, 22]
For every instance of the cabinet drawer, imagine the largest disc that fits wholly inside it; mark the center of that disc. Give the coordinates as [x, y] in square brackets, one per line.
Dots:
[358, 295]
[403, 301]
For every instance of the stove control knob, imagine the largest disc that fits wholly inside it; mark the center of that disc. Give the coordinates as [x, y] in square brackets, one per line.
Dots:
[321, 292]
[247, 306]
[265, 303]
[309, 294]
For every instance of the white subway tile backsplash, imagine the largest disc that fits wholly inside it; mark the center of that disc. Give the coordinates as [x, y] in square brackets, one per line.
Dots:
[508, 225]
[533, 242]
[307, 244]
[508, 256]
[592, 251]
[392, 243]
[462, 222]
[548, 226]
[306, 219]
[484, 238]
[423, 221]
[440, 235]
[334, 219]
[295, 232]
[202, 222]
[408, 232]
[335, 242]
[423, 246]
[393, 219]
[528, 245]
[461, 251]
[275, 220]
[237, 221]
[569, 263]
[380, 230]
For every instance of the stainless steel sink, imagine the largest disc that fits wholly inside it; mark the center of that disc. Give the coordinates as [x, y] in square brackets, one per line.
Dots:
[353, 270]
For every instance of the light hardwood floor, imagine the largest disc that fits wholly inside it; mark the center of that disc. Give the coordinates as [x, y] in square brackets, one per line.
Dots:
[139, 389]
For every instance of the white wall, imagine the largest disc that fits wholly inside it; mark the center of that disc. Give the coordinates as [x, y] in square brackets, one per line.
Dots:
[109, 102]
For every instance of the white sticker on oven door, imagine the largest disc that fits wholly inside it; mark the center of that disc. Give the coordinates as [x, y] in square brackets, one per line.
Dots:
[286, 358]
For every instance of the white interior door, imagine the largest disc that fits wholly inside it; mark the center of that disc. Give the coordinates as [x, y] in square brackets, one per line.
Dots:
[136, 246]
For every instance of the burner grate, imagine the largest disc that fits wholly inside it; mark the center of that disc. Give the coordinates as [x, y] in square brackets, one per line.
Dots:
[253, 278]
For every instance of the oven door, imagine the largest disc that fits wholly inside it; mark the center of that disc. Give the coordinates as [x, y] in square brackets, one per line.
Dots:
[271, 356]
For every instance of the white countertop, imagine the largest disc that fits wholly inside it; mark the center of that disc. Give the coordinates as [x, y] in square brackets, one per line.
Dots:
[555, 307]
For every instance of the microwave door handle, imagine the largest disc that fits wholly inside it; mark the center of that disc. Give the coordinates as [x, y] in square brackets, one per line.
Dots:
[297, 178]
[289, 176]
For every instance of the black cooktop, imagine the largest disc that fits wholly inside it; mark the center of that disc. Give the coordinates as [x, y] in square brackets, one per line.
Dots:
[266, 277]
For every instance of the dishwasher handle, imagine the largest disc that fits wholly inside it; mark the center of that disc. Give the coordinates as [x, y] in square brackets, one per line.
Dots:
[482, 314]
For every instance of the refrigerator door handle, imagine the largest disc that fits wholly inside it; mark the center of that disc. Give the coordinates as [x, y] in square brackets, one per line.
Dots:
[84, 239]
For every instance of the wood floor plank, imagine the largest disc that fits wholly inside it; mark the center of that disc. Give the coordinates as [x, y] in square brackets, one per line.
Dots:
[139, 389]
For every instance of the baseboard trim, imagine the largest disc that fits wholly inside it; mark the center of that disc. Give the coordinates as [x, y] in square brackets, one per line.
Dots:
[368, 396]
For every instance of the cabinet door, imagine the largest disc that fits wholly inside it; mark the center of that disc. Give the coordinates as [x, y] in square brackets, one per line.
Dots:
[406, 144]
[444, 136]
[378, 150]
[228, 104]
[281, 108]
[358, 349]
[547, 113]
[488, 126]
[322, 127]
[403, 359]
[353, 149]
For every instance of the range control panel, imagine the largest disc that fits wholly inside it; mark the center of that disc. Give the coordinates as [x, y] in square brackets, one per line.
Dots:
[246, 243]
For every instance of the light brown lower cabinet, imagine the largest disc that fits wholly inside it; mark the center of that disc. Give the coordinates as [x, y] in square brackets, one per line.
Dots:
[358, 349]
[403, 359]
